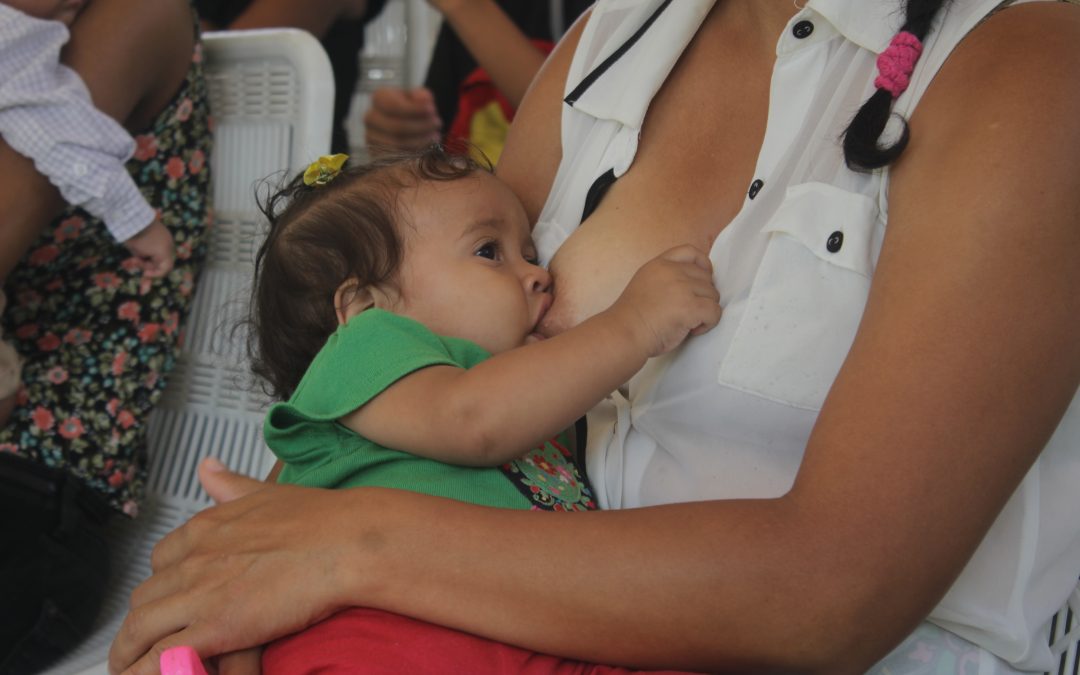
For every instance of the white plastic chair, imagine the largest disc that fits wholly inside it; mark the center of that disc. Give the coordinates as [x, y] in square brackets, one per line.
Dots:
[271, 96]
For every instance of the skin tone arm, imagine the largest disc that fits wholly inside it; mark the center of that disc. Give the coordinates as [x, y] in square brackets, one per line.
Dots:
[536, 129]
[981, 242]
[496, 43]
[490, 414]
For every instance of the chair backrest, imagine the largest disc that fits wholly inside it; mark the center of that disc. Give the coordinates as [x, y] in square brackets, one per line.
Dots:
[271, 96]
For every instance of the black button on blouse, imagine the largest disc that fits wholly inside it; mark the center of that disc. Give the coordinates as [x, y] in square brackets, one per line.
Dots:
[834, 242]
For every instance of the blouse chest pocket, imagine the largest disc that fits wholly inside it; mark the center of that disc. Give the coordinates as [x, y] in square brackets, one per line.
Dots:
[807, 297]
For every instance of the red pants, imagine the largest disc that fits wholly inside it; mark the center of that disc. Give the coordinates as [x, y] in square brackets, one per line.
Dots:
[373, 642]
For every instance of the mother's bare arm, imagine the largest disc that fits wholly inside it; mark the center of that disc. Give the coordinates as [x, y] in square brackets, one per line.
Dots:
[963, 365]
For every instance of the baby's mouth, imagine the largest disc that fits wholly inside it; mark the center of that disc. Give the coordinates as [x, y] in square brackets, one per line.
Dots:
[538, 332]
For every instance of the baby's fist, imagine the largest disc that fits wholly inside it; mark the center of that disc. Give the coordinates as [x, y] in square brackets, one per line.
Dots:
[671, 297]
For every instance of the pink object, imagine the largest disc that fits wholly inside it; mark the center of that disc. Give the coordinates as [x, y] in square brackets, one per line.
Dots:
[181, 661]
[897, 62]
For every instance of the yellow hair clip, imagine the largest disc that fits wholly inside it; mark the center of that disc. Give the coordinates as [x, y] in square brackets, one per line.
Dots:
[324, 169]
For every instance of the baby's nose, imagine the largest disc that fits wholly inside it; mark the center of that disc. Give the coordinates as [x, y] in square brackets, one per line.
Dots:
[538, 279]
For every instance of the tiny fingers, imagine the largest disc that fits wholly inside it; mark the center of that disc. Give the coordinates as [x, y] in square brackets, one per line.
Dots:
[166, 265]
[707, 290]
[687, 253]
[155, 269]
[711, 316]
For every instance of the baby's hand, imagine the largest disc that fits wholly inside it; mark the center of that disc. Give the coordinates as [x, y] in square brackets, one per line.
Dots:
[153, 246]
[670, 297]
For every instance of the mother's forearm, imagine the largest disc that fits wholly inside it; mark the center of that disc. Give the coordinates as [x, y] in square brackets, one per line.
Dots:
[786, 584]
[710, 586]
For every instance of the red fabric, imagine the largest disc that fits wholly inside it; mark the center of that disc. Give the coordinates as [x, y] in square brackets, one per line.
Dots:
[475, 93]
[371, 642]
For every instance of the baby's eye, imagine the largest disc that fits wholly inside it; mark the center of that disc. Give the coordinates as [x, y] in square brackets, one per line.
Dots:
[489, 250]
[532, 259]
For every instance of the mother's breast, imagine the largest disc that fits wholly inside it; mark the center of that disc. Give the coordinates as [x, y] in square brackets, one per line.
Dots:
[595, 263]
[589, 276]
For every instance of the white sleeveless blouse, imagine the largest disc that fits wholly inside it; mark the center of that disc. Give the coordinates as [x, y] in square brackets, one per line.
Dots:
[729, 414]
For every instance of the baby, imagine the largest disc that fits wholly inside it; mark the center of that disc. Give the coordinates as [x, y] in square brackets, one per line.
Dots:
[397, 307]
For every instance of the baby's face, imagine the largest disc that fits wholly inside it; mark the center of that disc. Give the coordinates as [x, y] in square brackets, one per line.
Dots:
[469, 269]
[64, 11]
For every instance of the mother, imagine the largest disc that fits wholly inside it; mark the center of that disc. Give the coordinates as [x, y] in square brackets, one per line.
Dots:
[96, 336]
[881, 430]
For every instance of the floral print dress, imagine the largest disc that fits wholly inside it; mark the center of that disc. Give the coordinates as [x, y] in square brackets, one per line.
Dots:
[96, 337]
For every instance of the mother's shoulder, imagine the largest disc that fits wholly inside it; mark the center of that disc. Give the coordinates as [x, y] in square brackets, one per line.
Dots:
[1018, 59]
[1018, 39]
[998, 127]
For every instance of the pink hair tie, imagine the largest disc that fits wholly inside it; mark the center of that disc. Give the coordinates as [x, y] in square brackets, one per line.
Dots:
[896, 63]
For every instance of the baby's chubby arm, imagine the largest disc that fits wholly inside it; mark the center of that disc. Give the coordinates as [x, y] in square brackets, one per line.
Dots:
[493, 413]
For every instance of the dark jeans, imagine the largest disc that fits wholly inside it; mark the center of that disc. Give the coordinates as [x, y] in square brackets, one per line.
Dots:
[54, 564]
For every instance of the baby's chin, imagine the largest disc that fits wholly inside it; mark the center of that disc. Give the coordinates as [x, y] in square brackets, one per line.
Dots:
[533, 338]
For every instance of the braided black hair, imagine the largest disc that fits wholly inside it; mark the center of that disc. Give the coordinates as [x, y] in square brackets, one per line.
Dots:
[862, 150]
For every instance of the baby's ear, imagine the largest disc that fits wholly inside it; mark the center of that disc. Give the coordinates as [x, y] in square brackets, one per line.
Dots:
[350, 299]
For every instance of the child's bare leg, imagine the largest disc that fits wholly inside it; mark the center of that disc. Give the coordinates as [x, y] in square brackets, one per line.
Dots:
[6, 406]
[9, 372]
[27, 201]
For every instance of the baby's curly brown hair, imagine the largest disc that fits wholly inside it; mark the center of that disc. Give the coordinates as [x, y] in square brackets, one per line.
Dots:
[321, 236]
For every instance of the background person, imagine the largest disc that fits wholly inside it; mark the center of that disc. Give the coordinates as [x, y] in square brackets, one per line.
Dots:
[96, 335]
[47, 115]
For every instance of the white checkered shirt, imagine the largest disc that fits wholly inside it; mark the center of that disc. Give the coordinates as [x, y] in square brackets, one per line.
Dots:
[46, 114]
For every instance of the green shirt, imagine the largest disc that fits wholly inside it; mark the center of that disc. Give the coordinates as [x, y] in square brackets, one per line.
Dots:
[359, 361]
